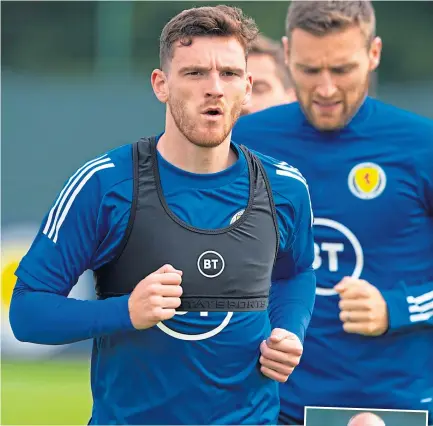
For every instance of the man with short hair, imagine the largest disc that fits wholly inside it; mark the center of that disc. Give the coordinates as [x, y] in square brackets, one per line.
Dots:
[271, 80]
[370, 170]
[182, 231]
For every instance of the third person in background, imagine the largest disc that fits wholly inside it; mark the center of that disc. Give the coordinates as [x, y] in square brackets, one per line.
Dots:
[370, 170]
[271, 80]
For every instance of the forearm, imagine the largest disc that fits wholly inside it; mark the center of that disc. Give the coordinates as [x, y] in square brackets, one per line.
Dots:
[291, 303]
[53, 319]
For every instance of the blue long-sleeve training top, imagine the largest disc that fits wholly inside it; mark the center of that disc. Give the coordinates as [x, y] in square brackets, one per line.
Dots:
[371, 186]
[197, 368]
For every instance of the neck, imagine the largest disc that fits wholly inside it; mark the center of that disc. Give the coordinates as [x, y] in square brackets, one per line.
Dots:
[182, 153]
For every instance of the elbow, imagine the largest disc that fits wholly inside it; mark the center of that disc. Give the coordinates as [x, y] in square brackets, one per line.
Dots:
[22, 327]
[22, 334]
[25, 330]
[30, 319]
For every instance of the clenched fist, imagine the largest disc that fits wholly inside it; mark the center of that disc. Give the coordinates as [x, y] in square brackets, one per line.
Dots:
[155, 298]
[280, 354]
[363, 309]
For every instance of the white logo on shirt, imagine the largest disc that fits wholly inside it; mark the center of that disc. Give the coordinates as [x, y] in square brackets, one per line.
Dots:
[333, 248]
[236, 216]
[194, 337]
[210, 264]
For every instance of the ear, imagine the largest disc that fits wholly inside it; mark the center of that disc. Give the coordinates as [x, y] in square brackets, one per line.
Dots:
[286, 48]
[249, 89]
[375, 53]
[160, 85]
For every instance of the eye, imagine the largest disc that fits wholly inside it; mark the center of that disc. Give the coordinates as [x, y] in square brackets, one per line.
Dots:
[260, 87]
[340, 71]
[311, 71]
[229, 74]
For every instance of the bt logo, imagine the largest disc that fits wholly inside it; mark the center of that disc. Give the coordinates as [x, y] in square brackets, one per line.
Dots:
[210, 264]
[333, 252]
[332, 249]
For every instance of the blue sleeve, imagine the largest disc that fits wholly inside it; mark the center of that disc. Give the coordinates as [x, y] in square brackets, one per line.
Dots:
[49, 318]
[80, 232]
[409, 306]
[293, 289]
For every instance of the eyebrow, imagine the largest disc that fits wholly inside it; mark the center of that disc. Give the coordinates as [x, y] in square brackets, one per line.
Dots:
[193, 68]
[260, 82]
[348, 65]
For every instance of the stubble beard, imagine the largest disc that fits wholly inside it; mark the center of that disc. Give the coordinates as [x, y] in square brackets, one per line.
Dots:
[188, 127]
[347, 113]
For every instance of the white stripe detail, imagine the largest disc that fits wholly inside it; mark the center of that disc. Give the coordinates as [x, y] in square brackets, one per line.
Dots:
[301, 179]
[75, 193]
[48, 224]
[421, 317]
[293, 175]
[70, 188]
[421, 308]
[284, 166]
[420, 299]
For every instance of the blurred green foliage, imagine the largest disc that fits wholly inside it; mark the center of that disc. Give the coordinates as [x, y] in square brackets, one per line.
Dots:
[70, 37]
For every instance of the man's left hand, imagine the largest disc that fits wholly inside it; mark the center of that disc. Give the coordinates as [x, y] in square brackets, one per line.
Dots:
[363, 309]
[280, 354]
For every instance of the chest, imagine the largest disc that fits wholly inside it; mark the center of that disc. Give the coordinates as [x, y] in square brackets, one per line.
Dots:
[368, 192]
[214, 208]
[225, 268]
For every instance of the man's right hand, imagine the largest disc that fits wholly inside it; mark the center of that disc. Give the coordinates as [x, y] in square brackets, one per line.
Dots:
[155, 298]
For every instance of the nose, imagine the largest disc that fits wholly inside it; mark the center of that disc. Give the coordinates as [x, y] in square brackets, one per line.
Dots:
[326, 87]
[214, 87]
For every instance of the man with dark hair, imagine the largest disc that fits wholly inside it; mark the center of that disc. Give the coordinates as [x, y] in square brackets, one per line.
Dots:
[370, 169]
[182, 231]
[271, 80]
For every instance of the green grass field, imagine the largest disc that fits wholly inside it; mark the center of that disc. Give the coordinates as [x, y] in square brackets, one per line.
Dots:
[48, 393]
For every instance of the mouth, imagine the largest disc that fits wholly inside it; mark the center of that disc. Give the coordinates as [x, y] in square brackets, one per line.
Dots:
[327, 109]
[213, 112]
[327, 104]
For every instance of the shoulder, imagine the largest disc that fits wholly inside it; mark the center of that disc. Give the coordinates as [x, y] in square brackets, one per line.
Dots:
[289, 186]
[86, 187]
[411, 127]
[410, 133]
[283, 177]
[103, 172]
[274, 114]
[83, 194]
[270, 122]
[393, 113]
[118, 163]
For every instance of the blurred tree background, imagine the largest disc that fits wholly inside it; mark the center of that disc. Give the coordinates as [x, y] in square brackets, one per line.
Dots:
[70, 37]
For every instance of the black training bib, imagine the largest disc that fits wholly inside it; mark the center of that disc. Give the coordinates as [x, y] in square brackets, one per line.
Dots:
[227, 269]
